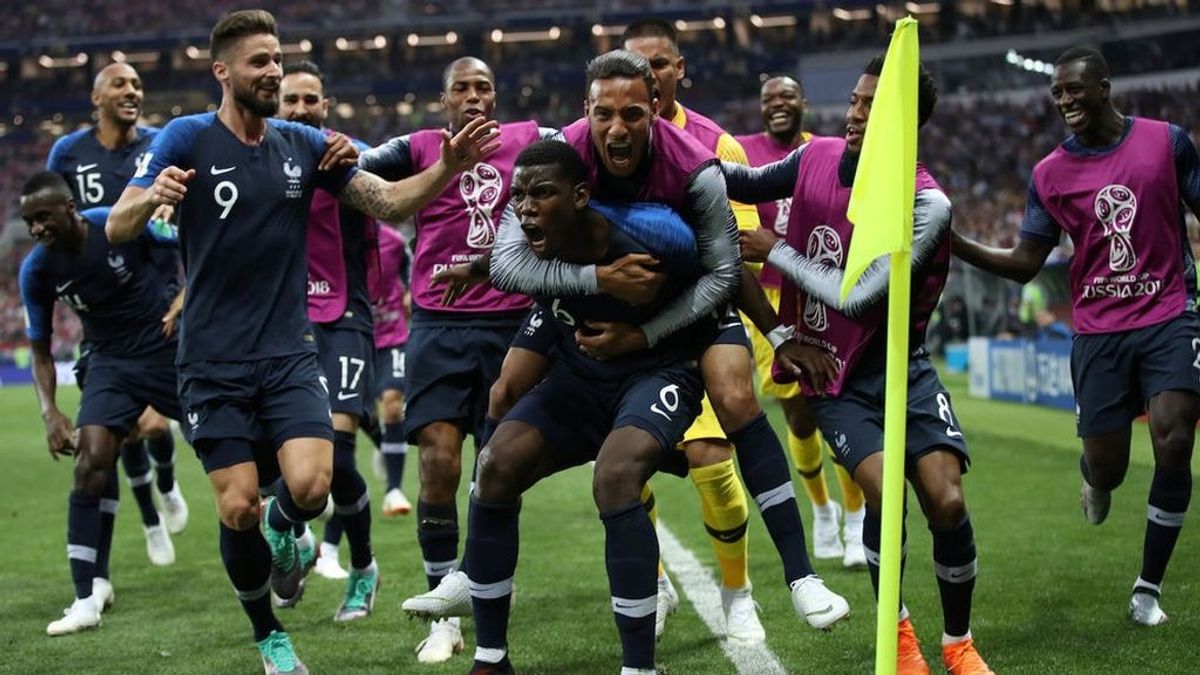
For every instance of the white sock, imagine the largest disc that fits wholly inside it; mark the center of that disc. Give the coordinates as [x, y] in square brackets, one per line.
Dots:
[950, 639]
[625, 670]
[826, 511]
[488, 655]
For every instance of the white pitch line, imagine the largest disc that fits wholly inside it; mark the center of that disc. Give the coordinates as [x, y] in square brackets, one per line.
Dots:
[697, 584]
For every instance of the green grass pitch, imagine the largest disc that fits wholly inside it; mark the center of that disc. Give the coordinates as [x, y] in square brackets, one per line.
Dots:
[1051, 594]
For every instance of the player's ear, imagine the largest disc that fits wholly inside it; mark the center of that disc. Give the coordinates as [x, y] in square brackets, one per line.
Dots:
[583, 195]
[681, 66]
[220, 71]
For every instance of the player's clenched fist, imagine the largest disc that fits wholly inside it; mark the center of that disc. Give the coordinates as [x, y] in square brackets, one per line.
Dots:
[171, 185]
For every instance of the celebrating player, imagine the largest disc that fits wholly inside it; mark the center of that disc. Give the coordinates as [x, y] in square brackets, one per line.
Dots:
[248, 368]
[119, 296]
[843, 371]
[1116, 186]
[783, 107]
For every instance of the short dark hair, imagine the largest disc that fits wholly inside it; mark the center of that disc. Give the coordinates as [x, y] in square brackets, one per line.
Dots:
[1089, 56]
[307, 67]
[551, 152]
[47, 180]
[927, 89]
[651, 27]
[236, 25]
[621, 63]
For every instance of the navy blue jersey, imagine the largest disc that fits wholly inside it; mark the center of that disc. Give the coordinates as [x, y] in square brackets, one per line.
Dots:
[682, 269]
[115, 289]
[359, 240]
[242, 231]
[97, 177]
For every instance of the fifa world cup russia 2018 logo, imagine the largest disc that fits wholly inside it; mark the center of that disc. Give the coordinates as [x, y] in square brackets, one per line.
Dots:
[1116, 207]
[480, 187]
[824, 246]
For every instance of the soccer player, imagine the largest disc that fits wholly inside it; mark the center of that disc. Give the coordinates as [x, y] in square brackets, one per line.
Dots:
[783, 105]
[631, 153]
[97, 161]
[118, 294]
[625, 413]
[248, 370]
[453, 352]
[341, 247]
[391, 334]
[844, 343]
[1116, 186]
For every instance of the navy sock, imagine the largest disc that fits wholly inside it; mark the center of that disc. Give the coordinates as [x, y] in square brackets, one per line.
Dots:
[162, 451]
[137, 468]
[333, 530]
[395, 450]
[765, 469]
[351, 501]
[1170, 494]
[285, 514]
[247, 561]
[437, 533]
[631, 558]
[109, 502]
[83, 540]
[871, 535]
[493, 537]
[955, 563]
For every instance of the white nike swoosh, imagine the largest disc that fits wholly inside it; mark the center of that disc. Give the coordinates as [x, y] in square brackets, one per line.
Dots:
[217, 172]
[343, 397]
[84, 167]
[59, 288]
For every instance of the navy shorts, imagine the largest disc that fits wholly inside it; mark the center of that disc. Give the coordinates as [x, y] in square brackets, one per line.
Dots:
[852, 422]
[348, 363]
[271, 400]
[1115, 374]
[730, 330]
[116, 394]
[449, 373]
[575, 415]
[389, 369]
[537, 333]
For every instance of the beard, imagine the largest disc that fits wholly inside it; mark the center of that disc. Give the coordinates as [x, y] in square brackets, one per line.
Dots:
[248, 98]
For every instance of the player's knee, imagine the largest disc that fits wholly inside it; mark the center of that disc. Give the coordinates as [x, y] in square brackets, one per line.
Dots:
[707, 453]
[734, 403]
[238, 510]
[90, 477]
[947, 508]
[1173, 439]
[154, 426]
[496, 479]
[311, 491]
[616, 484]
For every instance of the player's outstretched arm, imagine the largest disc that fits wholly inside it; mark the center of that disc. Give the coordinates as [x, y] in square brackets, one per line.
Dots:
[60, 436]
[399, 200]
[1020, 263]
[766, 183]
[931, 222]
[137, 205]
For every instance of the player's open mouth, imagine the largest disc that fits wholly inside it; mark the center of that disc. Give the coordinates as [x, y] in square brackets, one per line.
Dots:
[535, 235]
[129, 105]
[472, 113]
[780, 118]
[620, 154]
[1074, 117]
[853, 134]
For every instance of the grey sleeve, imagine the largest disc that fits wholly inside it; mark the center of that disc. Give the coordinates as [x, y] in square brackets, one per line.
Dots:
[545, 133]
[754, 185]
[516, 269]
[931, 222]
[717, 239]
[391, 161]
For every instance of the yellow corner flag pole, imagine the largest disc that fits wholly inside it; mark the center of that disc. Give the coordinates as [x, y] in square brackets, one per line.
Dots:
[881, 208]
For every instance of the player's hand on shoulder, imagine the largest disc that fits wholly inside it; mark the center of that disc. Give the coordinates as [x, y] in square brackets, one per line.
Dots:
[60, 435]
[478, 139]
[808, 361]
[457, 278]
[604, 340]
[630, 278]
[339, 152]
[756, 244]
[170, 186]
